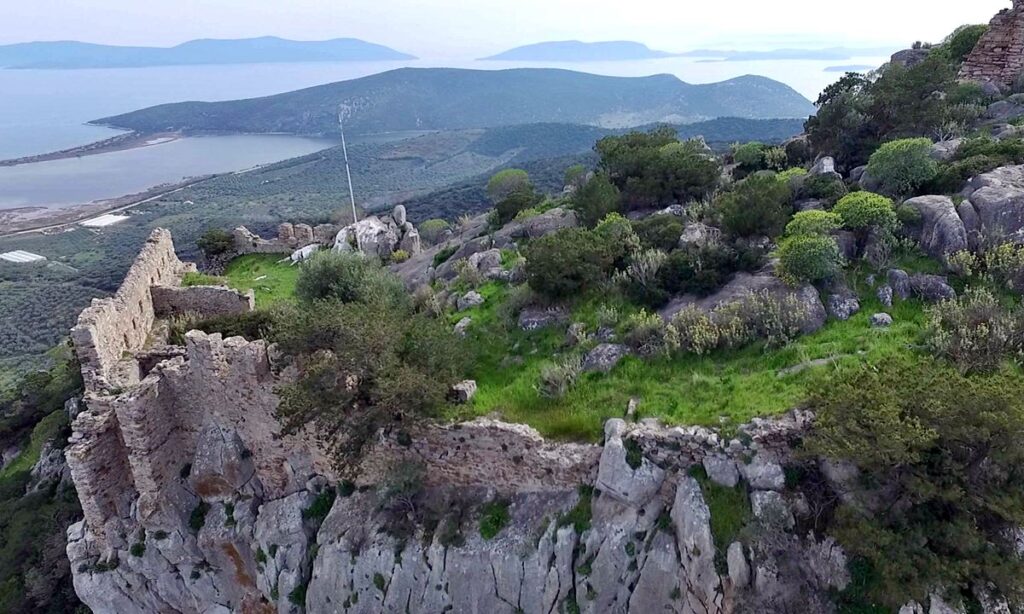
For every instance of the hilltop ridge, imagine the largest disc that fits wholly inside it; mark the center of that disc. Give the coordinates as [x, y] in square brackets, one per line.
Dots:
[448, 99]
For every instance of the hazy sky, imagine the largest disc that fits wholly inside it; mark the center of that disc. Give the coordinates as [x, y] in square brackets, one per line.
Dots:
[470, 28]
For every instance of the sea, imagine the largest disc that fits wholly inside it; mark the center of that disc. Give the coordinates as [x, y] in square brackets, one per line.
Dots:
[48, 110]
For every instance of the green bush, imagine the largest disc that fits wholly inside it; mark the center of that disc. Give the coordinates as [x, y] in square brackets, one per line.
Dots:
[659, 231]
[758, 205]
[828, 188]
[348, 277]
[558, 378]
[864, 211]
[596, 199]
[903, 166]
[444, 254]
[515, 203]
[639, 280]
[431, 231]
[215, 242]
[947, 448]
[813, 223]
[507, 182]
[699, 269]
[975, 331]
[809, 258]
[568, 262]
[494, 517]
[962, 41]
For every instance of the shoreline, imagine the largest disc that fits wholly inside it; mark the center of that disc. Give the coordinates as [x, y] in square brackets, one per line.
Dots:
[119, 142]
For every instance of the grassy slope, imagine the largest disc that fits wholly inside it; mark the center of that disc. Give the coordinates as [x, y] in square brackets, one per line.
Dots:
[725, 388]
[271, 279]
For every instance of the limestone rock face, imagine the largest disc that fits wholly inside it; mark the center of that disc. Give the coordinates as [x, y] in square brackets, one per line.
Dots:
[944, 233]
[631, 485]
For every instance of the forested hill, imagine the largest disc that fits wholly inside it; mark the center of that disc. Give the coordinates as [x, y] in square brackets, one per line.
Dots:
[445, 99]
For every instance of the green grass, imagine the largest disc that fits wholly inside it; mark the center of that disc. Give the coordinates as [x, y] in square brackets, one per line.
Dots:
[493, 518]
[729, 508]
[46, 429]
[725, 388]
[272, 281]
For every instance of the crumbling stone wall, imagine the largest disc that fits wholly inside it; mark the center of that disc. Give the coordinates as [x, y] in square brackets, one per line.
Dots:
[999, 56]
[112, 327]
[290, 237]
[169, 301]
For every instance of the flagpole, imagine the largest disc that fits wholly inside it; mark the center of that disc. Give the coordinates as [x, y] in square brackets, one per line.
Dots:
[348, 173]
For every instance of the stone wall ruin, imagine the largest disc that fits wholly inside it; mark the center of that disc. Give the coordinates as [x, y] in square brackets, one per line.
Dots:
[998, 57]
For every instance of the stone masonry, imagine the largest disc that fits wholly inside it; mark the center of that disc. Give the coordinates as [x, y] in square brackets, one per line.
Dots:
[999, 56]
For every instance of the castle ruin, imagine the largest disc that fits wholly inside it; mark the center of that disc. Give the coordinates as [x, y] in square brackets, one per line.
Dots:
[998, 58]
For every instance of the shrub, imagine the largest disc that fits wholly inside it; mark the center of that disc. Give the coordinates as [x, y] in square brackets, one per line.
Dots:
[828, 188]
[698, 269]
[596, 199]
[697, 331]
[556, 379]
[864, 211]
[659, 231]
[761, 315]
[511, 206]
[444, 254]
[215, 242]
[321, 505]
[639, 280]
[947, 448]
[197, 518]
[348, 277]
[749, 156]
[137, 549]
[903, 166]
[399, 255]
[975, 331]
[809, 258]
[567, 262]
[962, 41]
[813, 223]
[617, 232]
[648, 336]
[431, 231]
[758, 205]
[507, 182]
[494, 517]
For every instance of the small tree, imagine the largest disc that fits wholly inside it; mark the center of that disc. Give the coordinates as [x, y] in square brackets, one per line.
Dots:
[568, 262]
[348, 277]
[596, 199]
[809, 258]
[862, 212]
[506, 182]
[758, 205]
[215, 242]
[520, 200]
[813, 223]
[431, 231]
[903, 166]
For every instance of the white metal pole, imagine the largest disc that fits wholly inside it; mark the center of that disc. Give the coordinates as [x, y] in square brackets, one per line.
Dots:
[348, 173]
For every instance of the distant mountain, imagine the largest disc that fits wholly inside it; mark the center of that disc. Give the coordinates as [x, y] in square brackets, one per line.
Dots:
[447, 99]
[74, 54]
[831, 53]
[576, 51]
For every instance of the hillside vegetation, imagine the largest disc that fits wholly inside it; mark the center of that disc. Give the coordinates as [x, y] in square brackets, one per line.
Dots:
[454, 99]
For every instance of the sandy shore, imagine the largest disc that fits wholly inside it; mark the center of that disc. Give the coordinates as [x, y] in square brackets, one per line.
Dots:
[129, 140]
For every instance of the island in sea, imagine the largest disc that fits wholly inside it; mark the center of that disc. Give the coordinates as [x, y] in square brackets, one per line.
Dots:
[76, 54]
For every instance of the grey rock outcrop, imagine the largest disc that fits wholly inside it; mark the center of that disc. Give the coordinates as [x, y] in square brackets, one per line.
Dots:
[881, 320]
[943, 231]
[604, 357]
[380, 236]
[469, 300]
[533, 318]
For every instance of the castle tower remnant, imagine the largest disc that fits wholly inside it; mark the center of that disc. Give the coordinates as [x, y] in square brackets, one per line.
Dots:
[998, 58]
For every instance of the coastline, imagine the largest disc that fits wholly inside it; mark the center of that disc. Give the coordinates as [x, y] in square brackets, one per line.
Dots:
[119, 142]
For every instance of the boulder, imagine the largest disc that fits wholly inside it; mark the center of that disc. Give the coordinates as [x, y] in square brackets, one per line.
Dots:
[770, 508]
[826, 165]
[847, 242]
[943, 231]
[899, 280]
[884, 294]
[633, 486]
[972, 223]
[462, 326]
[843, 306]
[698, 234]
[398, 214]
[739, 569]
[533, 318]
[369, 235]
[998, 199]
[1004, 111]
[931, 288]
[744, 285]
[764, 474]
[541, 225]
[857, 173]
[910, 57]
[881, 320]
[464, 391]
[721, 470]
[487, 262]
[944, 151]
[469, 300]
[604, 357]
